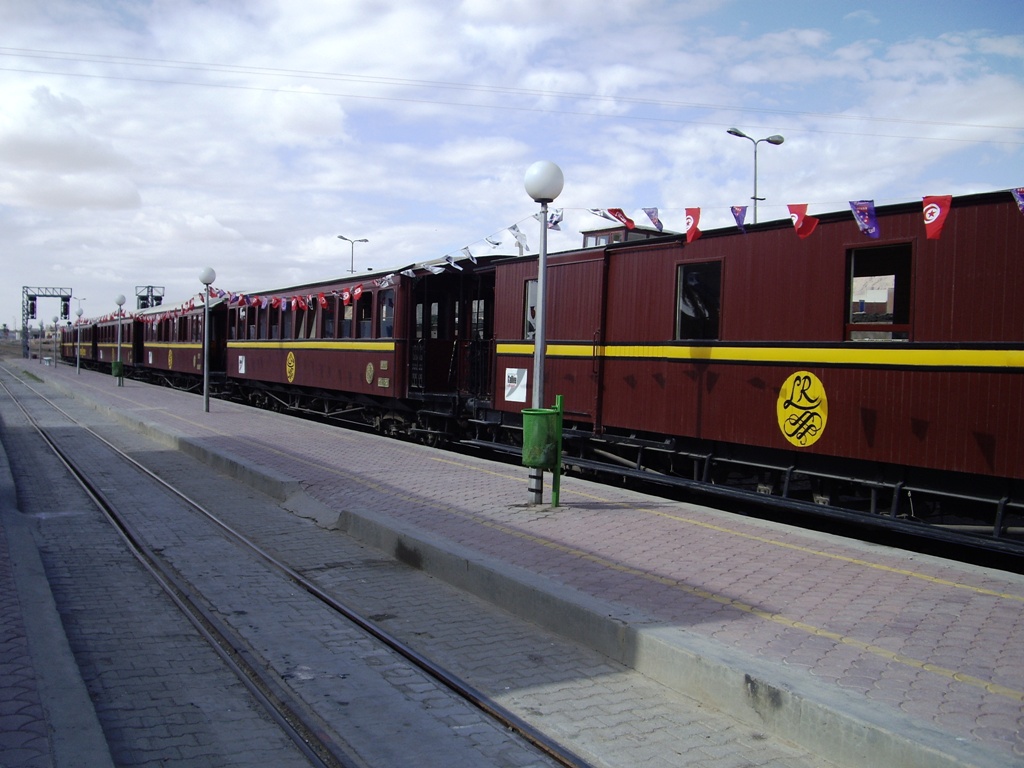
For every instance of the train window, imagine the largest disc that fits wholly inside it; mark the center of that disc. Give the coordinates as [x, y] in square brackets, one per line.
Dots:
[364, 315]
[530, 309]
[878, 293]
[264, 323]
[477, 319]
[699, 292]
[346, 322]
[286, 324]
[386, 312]
[275, 323]
[327, 311]
[434, 321]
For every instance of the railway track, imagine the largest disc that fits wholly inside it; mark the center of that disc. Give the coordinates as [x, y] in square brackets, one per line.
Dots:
[116, 483]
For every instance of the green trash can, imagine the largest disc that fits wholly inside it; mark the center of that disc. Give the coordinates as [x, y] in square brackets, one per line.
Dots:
[540, 437]
[117, 369]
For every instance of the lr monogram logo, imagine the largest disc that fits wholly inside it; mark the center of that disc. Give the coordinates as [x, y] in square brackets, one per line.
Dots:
[802, 409]
[289, 367]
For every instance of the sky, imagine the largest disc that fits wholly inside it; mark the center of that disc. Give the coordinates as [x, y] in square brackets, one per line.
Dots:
[142, 141]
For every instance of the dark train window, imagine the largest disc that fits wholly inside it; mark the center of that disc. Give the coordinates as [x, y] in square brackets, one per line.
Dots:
[386, 313]
[328, 314]
[364, 315]
[477, 319]
[878, 293]
[698, 293]
[530, 310]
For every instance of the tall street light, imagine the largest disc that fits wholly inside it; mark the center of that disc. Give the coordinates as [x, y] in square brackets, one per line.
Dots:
[352, 266]
[120, 367]
[206, 277]
[773, 139]
[543, 182]
[55, 356]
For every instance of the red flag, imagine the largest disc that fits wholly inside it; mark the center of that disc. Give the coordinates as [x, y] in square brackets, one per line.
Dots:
[936, 208]
[692, 220]
[322, 299]
[803, 223]
[619, 214]
[346, 296]
[357, 292]
[302, 303]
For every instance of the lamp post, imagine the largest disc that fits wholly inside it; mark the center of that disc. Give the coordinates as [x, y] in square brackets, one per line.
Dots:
[120, 367]
[773, 139]
[78, 341]
[206, 277]
[55, 356]
[352, 266]
[543, 182]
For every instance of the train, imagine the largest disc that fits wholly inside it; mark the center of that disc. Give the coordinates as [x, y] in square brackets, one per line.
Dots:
[877, 374]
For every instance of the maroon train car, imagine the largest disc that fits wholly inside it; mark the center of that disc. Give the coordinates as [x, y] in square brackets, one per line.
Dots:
[401, 353]
[97, 343]
[171, 343]
[837, 361]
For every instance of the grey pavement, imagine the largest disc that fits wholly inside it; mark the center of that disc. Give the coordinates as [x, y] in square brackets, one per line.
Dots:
[863, 654]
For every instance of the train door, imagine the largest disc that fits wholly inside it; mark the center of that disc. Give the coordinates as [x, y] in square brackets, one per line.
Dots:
[452, 334]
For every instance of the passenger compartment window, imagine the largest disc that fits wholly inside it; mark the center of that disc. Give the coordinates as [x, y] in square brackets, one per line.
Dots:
[878, 293]
[530, 310]
[386, 310]
[698, 298]
[364, 314]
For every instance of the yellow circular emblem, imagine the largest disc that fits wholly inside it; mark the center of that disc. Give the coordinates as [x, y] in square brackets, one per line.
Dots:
[289, 367]
[802, 409]
[369, 373]
[170, 359]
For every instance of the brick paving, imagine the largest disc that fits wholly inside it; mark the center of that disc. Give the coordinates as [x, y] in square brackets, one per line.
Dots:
[861, 652]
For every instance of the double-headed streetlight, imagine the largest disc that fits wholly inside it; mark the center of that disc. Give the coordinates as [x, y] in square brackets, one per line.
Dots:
[773, 139]
[352, 266]
[206, 277]
[543, 182]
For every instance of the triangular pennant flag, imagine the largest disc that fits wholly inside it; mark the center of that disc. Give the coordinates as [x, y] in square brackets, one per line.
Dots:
[408, 272]
[469, 254]
[1018, 195]
[652, 214]
[451, 261]
[936, 209]
[492, 242]
[554, 219]
[519, 236]
[802, 223]
[692, 220]
[739, 212]
[864, 214]
[602, 213]
[619, 215]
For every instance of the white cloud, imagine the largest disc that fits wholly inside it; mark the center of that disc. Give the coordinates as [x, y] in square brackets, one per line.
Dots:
[412, 125]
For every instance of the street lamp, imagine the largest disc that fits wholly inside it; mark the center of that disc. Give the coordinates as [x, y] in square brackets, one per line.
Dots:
[78, 341]
[55, 356]
[543, 182]
[352, 266]
[773, 139]
[120, 367]
[206, 277]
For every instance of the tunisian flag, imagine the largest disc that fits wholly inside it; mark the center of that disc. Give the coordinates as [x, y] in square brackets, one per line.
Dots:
[803, 223]
[692, 220]
[936, 209]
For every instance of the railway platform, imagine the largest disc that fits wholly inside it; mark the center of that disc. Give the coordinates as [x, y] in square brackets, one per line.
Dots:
[865, 655]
